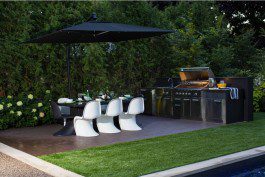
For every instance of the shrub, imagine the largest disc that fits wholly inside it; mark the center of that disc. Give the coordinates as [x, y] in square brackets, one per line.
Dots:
[259, 98]
[25, 110]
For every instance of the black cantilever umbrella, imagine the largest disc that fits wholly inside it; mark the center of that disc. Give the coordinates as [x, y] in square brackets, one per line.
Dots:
[95, 31]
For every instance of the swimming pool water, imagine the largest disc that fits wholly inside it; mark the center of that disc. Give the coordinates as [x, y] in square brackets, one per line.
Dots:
[258, 172]
[253, 167]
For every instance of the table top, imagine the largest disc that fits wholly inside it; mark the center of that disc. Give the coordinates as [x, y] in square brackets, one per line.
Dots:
[82, 104]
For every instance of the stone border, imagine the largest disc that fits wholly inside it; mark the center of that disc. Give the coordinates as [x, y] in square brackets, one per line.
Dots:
[37, 163]
[210, 164]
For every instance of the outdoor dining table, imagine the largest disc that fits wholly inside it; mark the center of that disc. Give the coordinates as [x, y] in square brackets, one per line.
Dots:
[76, 109]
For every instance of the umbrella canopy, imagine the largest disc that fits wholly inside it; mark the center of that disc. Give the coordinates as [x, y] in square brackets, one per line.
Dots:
[95, 31]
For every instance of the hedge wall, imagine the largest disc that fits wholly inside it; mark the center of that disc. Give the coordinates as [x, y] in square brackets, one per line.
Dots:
[202, 39]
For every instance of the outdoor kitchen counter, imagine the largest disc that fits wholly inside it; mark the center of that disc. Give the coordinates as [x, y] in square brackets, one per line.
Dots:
[219, 106]
[211, 105]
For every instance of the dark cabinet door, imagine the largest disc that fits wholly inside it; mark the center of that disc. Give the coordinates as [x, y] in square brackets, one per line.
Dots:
[214, 110]
[158, 102]
[167, 107]
[196, 113]
[186, 109]
[217, 107]
[177, 108]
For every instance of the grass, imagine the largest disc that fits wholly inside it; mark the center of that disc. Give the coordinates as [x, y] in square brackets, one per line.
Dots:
[160, 153]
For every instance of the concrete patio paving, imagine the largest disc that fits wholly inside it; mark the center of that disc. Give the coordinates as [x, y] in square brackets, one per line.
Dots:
[40, 141]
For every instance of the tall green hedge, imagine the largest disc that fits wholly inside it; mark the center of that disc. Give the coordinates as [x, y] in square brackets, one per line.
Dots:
[202, 39]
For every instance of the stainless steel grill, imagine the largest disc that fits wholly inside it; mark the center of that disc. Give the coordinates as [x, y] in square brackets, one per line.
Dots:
[197, 77]
[187, 96]
[191, 96]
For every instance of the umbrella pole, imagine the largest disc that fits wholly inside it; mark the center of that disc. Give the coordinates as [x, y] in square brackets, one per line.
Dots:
[68, 69]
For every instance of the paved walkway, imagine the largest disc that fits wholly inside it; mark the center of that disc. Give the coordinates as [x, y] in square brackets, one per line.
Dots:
[40, 141]
[14, 168]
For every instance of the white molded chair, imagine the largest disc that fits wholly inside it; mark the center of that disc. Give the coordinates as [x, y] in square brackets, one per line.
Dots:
[127, 120]
[84, 125]
[105, 123]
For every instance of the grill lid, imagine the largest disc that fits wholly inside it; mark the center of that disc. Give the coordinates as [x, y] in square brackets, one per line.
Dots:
[195, 77]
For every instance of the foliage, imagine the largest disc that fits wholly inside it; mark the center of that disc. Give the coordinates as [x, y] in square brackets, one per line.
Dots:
[259, 98]
[24, 111]
[204, 40]
[244, 15]
[160, 153]
[201, 39]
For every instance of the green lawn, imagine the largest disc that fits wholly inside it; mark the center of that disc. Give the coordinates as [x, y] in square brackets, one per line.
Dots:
[155, 154]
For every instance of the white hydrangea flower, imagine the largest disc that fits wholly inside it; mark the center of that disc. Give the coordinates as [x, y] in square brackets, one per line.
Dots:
[19, 113]
[11, 112]
[9, 96]
[48, 91]
[40, 104]
[41, 114]
[30, 96]
[9, 105]
[34, 110]
[19, 103]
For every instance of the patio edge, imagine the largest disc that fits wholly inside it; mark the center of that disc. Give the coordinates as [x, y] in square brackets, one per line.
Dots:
[209, 164]
[37, 163]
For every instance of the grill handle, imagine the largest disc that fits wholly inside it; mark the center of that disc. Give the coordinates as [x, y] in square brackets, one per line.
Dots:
[217, 101]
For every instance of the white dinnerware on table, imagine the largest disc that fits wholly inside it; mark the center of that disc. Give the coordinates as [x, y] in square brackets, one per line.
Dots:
[122, 98]
[87, 98]
[98, 99]
[127, 96]
[65, 100]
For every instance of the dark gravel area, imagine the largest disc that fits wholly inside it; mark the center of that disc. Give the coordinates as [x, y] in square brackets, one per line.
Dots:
[11, 167]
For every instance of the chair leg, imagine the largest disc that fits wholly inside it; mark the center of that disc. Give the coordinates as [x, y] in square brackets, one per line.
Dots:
[105, 124]
[128, 122]
[64, 121]
[84, 127]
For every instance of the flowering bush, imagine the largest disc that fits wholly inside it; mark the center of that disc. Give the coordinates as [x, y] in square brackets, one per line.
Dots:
[25, 111]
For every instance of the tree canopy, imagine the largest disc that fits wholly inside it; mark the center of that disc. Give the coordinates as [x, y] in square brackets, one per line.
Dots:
[202, 39]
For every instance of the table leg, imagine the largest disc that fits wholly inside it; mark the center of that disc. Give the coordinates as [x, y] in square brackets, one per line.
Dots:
[67, 130]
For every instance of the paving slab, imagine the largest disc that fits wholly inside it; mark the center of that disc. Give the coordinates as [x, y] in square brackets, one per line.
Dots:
[40, 140]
